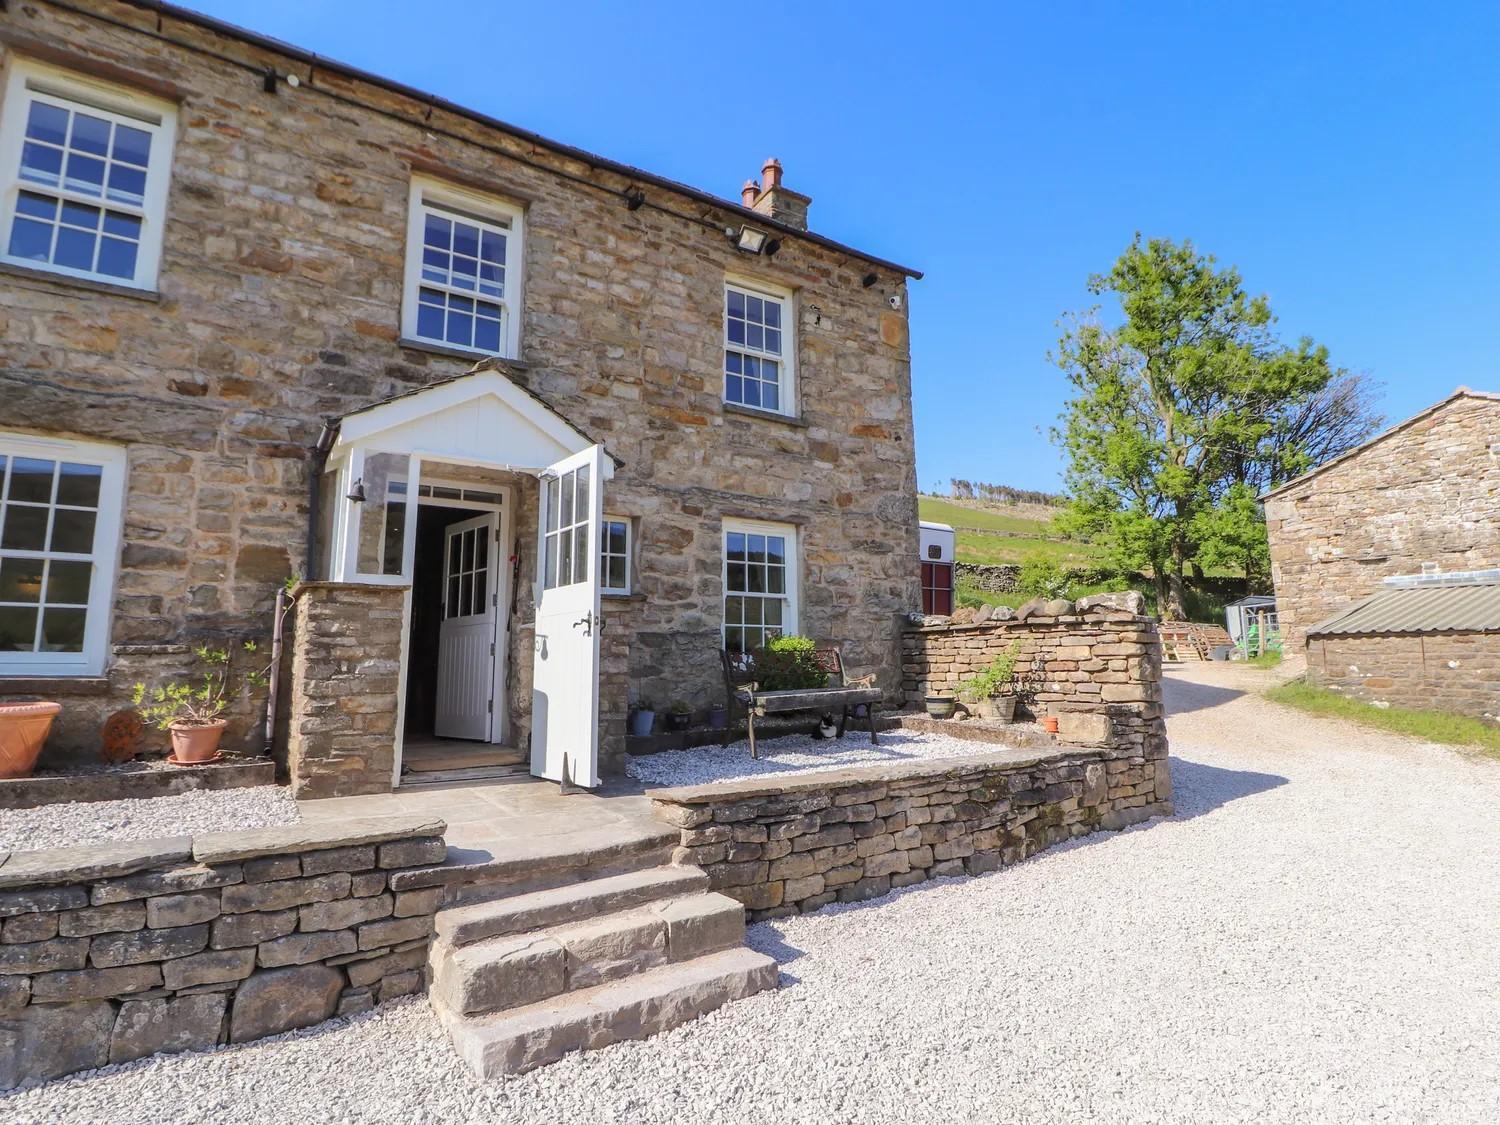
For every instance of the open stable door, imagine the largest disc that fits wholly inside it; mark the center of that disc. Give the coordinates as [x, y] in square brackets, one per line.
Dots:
[565, 669]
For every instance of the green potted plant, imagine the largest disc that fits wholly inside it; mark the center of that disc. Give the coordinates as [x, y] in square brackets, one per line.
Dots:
[789, 663]
[992, 692]
[679, 715]
[192, 709]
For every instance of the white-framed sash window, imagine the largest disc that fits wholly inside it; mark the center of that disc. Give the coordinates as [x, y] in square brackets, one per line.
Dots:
[84, 167]
[60, 518]
[463, 270]
[760, 582]
[759, 348]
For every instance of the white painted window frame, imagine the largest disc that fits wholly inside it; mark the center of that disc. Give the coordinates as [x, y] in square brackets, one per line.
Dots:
[787, 360]
[104, 557]
[791, 616]
[604, 587]
[429, 193]
[30, 81]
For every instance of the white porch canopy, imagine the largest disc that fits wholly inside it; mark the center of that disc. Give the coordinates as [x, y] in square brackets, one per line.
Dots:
[372, 487]
[481, 419]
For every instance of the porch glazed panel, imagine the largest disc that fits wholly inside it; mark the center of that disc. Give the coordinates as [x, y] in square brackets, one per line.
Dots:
[346, 672]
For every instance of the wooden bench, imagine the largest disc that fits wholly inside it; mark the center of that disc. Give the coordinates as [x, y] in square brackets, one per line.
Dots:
[746, 698]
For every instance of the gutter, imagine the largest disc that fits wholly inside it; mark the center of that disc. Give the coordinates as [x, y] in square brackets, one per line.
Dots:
[320, 450]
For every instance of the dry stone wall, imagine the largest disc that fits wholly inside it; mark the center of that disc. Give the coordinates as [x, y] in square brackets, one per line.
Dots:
[279, 304]
[1426, 493]
[799, 843]
[1094, 665]
[846, 835]
[119, 950]
[1454, 672]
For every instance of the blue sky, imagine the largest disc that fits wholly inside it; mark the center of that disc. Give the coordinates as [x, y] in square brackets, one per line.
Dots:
[1346, 159]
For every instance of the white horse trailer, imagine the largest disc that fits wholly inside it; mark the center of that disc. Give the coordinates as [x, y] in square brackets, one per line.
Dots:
[937, 546]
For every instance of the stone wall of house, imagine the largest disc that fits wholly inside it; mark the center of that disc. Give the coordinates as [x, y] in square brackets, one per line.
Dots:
[1094, 665]
[1425, 493]
[279, 304]
[115, 951]
[345, 677]
[801, 843]
[1453, 672]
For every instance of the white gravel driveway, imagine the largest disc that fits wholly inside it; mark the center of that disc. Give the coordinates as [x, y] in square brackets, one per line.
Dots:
[1312, 938]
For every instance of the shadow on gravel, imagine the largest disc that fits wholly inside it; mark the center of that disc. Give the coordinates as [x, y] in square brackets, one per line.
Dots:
[1182, 696]
[1199, 789]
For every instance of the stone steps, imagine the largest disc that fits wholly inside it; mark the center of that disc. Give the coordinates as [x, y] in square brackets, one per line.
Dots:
[521, 980]
[463, 925]
[630, 1008]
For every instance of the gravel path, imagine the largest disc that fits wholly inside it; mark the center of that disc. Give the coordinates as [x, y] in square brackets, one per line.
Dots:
[799, 753]
[1311, 938]
[56, 826]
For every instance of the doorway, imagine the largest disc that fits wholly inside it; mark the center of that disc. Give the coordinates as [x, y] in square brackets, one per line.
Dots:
[456, 703]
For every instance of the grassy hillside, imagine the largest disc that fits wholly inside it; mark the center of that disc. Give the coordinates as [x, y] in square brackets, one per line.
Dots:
[1005, 534]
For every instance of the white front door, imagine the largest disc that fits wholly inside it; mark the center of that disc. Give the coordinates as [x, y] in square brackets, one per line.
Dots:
[466, 636]
[565, 672]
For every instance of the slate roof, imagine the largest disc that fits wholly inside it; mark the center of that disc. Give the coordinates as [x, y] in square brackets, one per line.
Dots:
[1468, 607]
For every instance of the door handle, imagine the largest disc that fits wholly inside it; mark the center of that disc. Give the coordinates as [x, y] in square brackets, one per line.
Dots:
[587, 621]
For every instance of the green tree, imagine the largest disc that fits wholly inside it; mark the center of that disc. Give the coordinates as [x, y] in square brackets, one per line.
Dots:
[1231, 535]
[1189, 395]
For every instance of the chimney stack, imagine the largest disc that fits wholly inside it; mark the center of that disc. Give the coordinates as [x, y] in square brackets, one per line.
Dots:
[782, 204]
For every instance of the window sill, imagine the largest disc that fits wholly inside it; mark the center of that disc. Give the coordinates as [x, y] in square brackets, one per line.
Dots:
[410, 343]
[768, 415]
[68, 281]
[621, 596]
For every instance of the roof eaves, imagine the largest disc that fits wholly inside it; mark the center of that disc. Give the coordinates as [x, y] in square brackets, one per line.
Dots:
[1461, 392]
[266, 42]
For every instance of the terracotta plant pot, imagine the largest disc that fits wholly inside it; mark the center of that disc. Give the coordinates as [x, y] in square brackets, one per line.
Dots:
[197, 743]
[23, 732]
[1049, 724]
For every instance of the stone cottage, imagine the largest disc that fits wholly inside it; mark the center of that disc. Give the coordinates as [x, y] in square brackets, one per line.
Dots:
[539, 432]
[1418, 500]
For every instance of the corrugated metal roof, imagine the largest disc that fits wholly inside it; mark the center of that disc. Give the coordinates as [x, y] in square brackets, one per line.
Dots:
[1470, 608]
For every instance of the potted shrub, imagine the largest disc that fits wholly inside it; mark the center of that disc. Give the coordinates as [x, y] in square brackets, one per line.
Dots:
[992, 692]
[643, 719]
[789, 663]
[23, 732]
[718, 716]
[192, 709]
[679, 716]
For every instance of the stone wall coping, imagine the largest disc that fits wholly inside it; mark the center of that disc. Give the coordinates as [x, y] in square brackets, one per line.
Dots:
[224, 847]
[1016, 623]
[876, 774]
[110, 858]
[85, 862]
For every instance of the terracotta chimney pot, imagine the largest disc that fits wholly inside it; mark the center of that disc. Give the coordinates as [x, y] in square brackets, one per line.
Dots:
[749, 192]
[771, 173]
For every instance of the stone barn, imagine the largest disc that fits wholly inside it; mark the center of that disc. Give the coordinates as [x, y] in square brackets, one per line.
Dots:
[1421, 498]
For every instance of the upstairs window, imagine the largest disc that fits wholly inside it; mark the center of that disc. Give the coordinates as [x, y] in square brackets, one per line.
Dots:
[758, 348]
[85, 168]
[462, 271]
